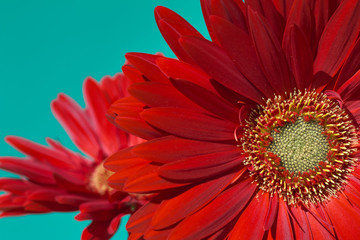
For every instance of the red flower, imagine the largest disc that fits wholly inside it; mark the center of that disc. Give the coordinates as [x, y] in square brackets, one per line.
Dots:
[53, 178]
[253, 135]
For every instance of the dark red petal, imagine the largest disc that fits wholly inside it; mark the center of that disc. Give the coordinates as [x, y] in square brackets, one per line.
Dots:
[216, 214]
[97, 230]
[350, 89]
[270, 54]
[300, 16]
[146, 64]
[338, 38]
[231, 10]
[173, 210]
[170, 148]
[253, 215]
[71, 199]
[351, 66]
[207, 100]
[214, 60]
[189, 124]
[283, 7]
[161, 95]
[238, 44]
[267, 9]
[203, 166]
[300, 58]
[172, 26]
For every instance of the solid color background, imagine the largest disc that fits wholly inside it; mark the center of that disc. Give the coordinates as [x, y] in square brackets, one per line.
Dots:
[47, 47]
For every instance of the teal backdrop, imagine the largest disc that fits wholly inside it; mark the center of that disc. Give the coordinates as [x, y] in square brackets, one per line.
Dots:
[47, 47]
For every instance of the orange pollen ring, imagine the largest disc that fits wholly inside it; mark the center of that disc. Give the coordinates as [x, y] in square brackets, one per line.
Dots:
[98, 180]
[326, 177]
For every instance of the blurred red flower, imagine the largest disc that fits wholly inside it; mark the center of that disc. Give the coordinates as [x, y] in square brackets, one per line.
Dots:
[56, 179]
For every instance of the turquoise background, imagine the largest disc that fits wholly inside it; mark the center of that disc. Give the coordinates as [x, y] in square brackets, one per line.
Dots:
[47, 47]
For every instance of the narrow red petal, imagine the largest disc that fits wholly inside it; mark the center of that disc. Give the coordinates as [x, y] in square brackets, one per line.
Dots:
[76, 122]
[190, 124]
[238, 44]
[207, 100]
[146, 64]
[300, 58]
[177, 208]
[284, 228]
[214, 60]
[173, 148]
[270, 54]
[200, 167]
[172, 26]
[253, 215]
[338, 38]
[216, 214]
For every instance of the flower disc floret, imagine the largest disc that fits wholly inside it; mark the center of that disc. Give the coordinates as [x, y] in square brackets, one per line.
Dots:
[300, 147]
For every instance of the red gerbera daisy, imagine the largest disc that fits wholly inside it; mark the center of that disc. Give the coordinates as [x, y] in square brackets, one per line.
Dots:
[251, 135]
[53, 178]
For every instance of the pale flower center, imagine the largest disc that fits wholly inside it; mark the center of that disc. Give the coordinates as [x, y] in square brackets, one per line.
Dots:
[301, 146]
[98, 180]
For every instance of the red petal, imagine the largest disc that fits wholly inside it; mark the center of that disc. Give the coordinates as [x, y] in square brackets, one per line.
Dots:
[140, 220]
[179, 70]
[239, 46]
[147, 180]
[272, 212]
[44, 154]
[34, 171]
[97, 107]
[283, 225]
[173, 148]
[338, 38]
[270, 54]
[125, 114]
[216, 214]
[351, 66]
[97, 230]
[161, 95]
[350, 89]
[267, 9]
[207, 100]
[76, 123]
[253, 215]
[189, 124]
[283, 6]
[300, 58]
[200, 167]
[344, 217]
[146, 64]
[213, 60]
[173, 210]
[172, 26]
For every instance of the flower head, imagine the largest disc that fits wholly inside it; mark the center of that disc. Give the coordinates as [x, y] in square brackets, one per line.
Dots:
[254, 134]
[54, 178]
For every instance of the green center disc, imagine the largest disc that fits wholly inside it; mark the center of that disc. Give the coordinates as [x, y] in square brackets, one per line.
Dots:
[300, 145]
